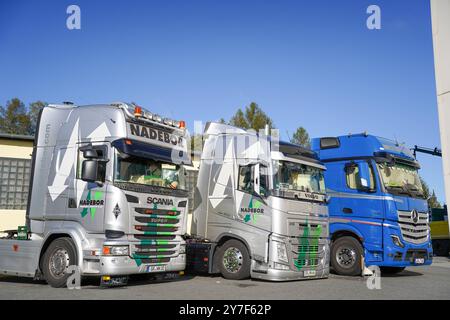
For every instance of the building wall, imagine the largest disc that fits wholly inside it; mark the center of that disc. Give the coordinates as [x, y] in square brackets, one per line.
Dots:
[12, 149]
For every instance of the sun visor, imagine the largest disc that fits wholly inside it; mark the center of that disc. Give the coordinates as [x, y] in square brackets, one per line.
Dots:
[148, 151]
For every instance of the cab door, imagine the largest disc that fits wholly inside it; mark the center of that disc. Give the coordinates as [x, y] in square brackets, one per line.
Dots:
[360, 202]
[86, 203]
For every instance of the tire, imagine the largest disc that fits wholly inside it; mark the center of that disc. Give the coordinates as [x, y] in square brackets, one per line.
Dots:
[61, 253]
[391, 270]
[346, 253]
[234, 260]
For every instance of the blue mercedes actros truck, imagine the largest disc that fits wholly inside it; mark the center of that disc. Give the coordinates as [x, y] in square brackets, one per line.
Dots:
[378, 211]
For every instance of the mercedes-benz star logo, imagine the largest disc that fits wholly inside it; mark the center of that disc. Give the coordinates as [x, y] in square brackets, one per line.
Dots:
[415, 215]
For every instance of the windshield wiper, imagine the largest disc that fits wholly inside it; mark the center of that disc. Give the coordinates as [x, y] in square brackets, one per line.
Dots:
[412, 188]
[402, 188]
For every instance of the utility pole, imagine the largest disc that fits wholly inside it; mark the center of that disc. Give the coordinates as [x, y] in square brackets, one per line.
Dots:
[440, 20]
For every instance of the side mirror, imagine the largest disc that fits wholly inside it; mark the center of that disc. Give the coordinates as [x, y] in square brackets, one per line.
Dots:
[89, 170]
[256, 182]
[364, 176]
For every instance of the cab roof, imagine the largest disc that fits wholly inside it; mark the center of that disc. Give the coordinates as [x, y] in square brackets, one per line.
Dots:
[358, 145]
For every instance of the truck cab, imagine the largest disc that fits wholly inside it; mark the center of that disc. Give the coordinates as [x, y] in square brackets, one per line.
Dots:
[378, 213]
[259, 208]
[107, 195]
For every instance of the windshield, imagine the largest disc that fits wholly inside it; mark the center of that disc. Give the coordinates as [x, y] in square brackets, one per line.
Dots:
[401, 178]
[298, 177]
[147, 171]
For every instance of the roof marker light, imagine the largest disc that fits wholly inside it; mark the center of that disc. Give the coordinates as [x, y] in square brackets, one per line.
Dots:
[182, 124]
[137, 111]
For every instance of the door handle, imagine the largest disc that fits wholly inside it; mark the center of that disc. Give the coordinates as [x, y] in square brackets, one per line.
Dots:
[72, 203]
[347, 210]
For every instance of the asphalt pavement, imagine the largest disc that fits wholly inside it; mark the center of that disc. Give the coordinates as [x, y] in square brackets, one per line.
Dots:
[427, 282]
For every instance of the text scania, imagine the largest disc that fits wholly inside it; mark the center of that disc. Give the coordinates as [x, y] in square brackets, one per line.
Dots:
[165, 202]
[154, 134]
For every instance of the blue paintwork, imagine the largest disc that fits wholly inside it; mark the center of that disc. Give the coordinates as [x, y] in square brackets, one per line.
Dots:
[374, 214]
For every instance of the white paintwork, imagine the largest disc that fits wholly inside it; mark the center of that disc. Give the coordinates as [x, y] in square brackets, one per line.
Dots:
[440, 18]
[63, 171]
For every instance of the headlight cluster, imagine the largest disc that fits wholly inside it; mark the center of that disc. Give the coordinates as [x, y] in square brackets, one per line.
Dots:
[116, 250]
[281, 251]
[396, 240]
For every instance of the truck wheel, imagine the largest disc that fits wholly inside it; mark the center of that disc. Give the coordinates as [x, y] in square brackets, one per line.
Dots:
[391, 270]
[234, 260]
[60, 254]
[346, 255]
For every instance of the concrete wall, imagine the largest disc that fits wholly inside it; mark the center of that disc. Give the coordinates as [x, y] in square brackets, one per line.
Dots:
[19, 149]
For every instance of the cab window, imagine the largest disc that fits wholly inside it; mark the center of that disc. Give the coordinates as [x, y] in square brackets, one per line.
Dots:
[353, 179]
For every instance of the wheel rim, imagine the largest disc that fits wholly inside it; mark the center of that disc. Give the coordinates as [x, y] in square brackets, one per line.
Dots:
[346, 257]
[59, 262]
[232, 260]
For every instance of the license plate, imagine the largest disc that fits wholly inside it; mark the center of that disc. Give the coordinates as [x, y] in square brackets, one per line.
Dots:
[419, 260]
[309, 273]
[156, 268]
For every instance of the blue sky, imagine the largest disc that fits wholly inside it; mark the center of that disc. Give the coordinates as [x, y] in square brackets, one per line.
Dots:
[306, 63]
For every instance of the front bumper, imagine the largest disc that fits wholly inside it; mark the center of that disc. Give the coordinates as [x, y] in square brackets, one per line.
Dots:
[125, 265]
[306, 259]
[393, 255]
[272, 274]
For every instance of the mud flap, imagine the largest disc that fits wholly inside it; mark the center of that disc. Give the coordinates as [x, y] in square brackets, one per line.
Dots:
[364, 270]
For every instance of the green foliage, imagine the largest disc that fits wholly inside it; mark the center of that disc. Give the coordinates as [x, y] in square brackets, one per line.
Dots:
[431, 197]
[301, 137]
[33, 113]
[16, 119]
[253, 117]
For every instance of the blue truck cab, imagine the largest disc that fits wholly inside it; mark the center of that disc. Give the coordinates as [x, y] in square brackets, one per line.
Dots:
[378, 212]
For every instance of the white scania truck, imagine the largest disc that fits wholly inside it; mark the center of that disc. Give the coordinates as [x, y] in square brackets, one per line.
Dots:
[107, 195]
[259, 208]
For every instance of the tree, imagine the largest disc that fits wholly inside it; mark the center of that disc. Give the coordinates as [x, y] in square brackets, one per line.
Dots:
[301, 137]
[431, 197]
[252, 118]
[33, 113]
[14, 118]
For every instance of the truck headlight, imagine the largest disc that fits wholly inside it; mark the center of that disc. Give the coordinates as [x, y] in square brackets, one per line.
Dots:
[281, 251]
[396, 240]
[182, 248]
[116, 251]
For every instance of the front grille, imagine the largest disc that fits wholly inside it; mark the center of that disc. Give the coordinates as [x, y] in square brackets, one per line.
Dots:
[300, 263]
[308, 249]
[152, 260]
[156, 229]
[413, 231]
[306, 252]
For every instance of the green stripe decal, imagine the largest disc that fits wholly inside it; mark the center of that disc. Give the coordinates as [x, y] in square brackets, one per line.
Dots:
[152, 224]
[155, 233]
[156, 242]
[137, 259]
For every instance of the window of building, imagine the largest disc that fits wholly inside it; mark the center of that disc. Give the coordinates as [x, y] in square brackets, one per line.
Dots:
[14, 182]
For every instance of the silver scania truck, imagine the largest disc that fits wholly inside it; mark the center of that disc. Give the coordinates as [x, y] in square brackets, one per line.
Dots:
[259, 208]
[107, 195]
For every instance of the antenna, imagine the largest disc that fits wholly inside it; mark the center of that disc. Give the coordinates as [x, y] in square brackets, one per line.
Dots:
[287, 133]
